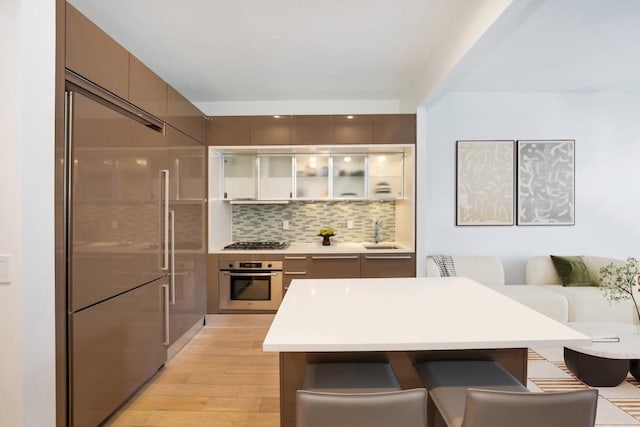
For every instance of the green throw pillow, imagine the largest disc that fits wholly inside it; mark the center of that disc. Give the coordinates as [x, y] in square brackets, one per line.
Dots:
[573, 271]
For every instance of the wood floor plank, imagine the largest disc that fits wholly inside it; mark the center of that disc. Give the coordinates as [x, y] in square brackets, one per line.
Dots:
[221, 378]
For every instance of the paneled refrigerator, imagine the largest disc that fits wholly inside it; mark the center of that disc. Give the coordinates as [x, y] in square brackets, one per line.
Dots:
[117, 247]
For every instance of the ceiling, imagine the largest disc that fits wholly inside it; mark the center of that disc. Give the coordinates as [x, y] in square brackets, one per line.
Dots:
[254, 50]
[276, 50]
[564, 46]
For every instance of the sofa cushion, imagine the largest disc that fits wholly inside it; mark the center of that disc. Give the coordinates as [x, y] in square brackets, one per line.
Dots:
[487, 270]
[549, 303]
[540, 269]
[573, 271]
[589, 304]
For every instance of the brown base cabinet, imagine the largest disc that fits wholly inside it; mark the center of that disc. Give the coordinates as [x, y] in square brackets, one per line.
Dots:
[334, 266]
[318, 266]
[388, 265]
[294, 267]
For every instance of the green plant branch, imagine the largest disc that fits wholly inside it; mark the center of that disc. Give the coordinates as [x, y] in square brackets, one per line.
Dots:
[617, 282]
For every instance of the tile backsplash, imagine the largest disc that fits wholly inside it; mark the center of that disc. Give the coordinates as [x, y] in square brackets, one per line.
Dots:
[264, 222]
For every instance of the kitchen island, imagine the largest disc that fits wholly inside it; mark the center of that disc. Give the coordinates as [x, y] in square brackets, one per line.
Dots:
[402, 320]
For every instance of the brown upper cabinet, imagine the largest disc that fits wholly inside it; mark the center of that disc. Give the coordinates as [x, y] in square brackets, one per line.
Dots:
[270, 130]
[91, 53]
[146, 89]
[310, 130]
[228, 130]
[183, 115]
[352, 129]
[394, 129]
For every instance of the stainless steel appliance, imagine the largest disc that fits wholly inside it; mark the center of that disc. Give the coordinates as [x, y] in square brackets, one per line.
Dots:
[250, 285]
[257, 245]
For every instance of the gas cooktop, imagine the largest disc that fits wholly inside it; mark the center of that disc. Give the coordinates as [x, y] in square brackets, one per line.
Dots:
[257, 245]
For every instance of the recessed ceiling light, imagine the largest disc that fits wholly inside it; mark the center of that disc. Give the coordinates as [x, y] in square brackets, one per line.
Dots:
[276, 117]
[349, 117]
[347, 159]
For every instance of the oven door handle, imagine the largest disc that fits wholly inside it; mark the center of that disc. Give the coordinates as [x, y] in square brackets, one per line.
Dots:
[227, 273]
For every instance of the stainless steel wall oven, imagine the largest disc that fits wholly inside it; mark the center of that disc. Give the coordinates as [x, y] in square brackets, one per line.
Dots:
[250, 285]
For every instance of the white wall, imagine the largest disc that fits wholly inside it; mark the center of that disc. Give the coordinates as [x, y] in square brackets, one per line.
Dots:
[607, 134]
[27, 372]
[38, 245]
[11, 367]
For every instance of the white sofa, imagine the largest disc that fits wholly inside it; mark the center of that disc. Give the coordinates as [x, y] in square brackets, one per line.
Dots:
[543, 291]
[586, 303]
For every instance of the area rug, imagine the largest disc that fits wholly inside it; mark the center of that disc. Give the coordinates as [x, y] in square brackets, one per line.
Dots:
[617, 406]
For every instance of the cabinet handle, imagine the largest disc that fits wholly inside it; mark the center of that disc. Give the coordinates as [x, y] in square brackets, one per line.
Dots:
[226, 273]
[388, 257]
[165, 215]
[295, 273]
[336, 257]
[68, 170]
[295, 257]
[172, 266]
[165, 297]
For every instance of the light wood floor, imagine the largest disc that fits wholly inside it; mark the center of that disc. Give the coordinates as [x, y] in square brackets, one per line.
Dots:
[220, 378]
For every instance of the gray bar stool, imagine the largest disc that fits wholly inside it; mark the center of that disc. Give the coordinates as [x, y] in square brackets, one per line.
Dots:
[481, 393]
[357, 394]
[350, 377]
[488, 408]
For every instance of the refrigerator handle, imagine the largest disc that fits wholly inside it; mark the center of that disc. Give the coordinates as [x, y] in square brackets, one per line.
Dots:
[165, 216]
[172, 264]
[165, 300]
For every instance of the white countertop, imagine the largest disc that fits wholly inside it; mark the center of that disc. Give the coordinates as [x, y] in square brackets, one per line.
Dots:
[317, 248]
[628, 346]
[405, 314]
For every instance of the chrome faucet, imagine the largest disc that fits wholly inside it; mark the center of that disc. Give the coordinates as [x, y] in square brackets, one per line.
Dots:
[378, 226]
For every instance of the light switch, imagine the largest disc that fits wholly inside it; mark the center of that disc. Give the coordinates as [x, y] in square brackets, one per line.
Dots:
[349, 224]
[285, 225]
[5, 269]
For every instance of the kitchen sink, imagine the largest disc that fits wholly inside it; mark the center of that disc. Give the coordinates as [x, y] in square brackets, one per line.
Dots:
[381, 246]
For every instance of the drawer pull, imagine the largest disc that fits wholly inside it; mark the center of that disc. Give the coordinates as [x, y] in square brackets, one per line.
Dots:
[295, 257]
[388, 257]
[295, 273]
[336, 257]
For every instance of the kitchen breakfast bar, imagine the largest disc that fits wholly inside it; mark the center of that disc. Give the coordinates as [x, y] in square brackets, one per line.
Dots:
[402, 321]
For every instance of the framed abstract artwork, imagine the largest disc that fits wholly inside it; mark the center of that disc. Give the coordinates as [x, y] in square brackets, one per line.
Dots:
[546, 182]
[485, 182]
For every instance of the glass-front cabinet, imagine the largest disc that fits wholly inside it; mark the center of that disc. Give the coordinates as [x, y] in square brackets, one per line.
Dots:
[306, 176]
[349, 174]
[312, 176]
[239, 177]
[386, 175]
[276, 177]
